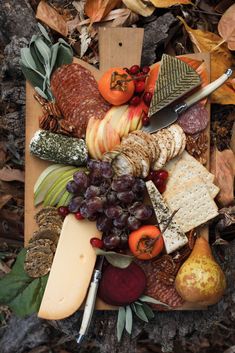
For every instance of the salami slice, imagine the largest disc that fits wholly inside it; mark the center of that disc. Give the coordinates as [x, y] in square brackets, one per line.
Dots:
[77, 95]
[194, 120]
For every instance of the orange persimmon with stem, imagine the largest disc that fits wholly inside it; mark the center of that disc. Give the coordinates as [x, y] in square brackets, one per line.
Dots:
[146, 242]
[116, 86]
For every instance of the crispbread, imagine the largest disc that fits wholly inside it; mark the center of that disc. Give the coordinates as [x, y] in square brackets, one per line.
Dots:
[165, 137]
[170, 166]
[162, 158]
[193, 202]
[178, 135]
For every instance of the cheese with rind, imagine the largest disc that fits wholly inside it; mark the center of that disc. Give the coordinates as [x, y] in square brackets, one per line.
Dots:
[173, 236]
[71, 270]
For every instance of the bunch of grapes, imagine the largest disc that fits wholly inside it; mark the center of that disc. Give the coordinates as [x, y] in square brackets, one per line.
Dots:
[115, 203]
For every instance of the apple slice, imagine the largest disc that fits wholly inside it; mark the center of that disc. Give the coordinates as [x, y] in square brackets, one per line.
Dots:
[113, 138]
[91, 135]
[135, 114]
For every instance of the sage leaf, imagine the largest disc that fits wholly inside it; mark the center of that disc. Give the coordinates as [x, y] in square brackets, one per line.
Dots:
[44, 32]
[54, 52]
[138, 303]
[148, 311]
[146, 298]
[129, 319]
[115, 259]
[64, 56]
[39, 61]
[44, 50]
[133, 307]
[32, 76]
[121, 322]
[42, 94]
[141, 314]
[28, 61]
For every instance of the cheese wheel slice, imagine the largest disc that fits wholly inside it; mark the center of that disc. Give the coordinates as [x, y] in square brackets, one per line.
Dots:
[71, 270]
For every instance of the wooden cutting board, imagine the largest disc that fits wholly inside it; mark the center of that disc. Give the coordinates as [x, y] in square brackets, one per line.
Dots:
[120, 47]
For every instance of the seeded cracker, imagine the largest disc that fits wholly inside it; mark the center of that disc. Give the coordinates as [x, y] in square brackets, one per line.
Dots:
[58, 148]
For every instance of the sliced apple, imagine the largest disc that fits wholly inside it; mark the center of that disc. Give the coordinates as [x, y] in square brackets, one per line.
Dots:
[56, 191]
[113, 138]
[91, 135]
[45, 173]
[65, 199]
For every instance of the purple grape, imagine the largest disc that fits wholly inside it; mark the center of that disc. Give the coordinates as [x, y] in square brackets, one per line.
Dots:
[106, 170]
[125, 196]
[72, 187]
[133, 223]
[104, 187]
[123, 241]
[133, 207]
[84, 211]
[92, 164]
[113, 212]
[121, 221]
[111, 197]
[75, 204]
[116, 231]
[123, 183]
[95, 177]
[143, 212]
[93, 217]
[95, 204]
[111, 242]
[92, 191]
[81, 179]
[139, 186]
[103, 224]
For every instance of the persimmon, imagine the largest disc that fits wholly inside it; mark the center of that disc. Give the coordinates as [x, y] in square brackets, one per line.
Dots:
[146, 242]
[116, 86]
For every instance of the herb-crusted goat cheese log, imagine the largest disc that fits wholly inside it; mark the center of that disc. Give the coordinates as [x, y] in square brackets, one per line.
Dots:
[58, 148]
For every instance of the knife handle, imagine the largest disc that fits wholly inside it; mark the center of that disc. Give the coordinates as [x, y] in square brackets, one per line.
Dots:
[204, 92]
[89, 306]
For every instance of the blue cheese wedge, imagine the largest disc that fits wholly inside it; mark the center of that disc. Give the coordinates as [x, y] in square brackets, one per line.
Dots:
[173, 236]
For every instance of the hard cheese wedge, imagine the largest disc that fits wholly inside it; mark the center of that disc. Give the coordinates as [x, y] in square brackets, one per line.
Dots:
[175, 79]
[173, 236]
[71, 270]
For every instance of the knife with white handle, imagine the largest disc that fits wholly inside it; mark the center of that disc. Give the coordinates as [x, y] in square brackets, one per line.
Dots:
[91, 299]
[169, 114]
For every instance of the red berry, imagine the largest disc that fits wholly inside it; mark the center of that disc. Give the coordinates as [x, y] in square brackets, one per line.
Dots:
[151, 175]
[134, 69]
[162, 174]
[78, 216]
[140, 77]
[158, 181]
[145, 120]
[63, 211]
[97, 243]
[139, 86]
[135, 100]
[162, 188]
[145, 69]
[147, 98]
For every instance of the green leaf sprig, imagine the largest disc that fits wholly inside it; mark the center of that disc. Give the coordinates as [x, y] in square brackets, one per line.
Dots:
[41, 59]
[23, 294]
[140, 309]
[115, 259]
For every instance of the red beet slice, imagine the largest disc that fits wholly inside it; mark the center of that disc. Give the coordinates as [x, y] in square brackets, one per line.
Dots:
[122, 286]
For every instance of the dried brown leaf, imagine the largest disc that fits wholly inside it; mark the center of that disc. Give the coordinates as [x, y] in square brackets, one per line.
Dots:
[9, 174]
[4, 199]
[169, 3]
[226, 27]
[96, 10]
[51, 18]
[221, 60]
[140, 7]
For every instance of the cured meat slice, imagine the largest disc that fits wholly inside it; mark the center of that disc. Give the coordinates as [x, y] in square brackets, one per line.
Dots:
[194, 120]
[77, 95]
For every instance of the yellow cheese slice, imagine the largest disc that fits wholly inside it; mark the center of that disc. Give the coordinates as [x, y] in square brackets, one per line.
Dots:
[71, 270]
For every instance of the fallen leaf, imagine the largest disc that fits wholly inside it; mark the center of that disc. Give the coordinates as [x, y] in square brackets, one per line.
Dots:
[98, 9]
[226, 27]
[9, 174]
[51, 18]
[121, 17]
[140, 7]
[4, 199]
[221, 60]
[85, 40]
[169, 3]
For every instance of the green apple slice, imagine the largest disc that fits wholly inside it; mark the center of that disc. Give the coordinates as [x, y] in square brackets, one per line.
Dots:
[46, 183]
[44, 174]
[57, 190]
[65, 199]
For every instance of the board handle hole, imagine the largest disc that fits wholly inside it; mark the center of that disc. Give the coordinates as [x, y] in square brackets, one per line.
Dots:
[120, 44]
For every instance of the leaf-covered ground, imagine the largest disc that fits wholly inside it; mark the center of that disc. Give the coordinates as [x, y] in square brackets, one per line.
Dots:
[164, 32]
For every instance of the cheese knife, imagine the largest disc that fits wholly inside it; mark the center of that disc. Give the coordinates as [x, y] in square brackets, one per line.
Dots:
[169, 114]
[91, 299]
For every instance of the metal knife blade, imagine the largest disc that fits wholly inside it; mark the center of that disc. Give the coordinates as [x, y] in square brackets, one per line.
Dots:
[169, 114]
[91, 298]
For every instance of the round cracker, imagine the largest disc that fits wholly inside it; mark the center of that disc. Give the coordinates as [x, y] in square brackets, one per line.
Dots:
[166, 137]
[177, 133]
[162, 158]
[183, 144]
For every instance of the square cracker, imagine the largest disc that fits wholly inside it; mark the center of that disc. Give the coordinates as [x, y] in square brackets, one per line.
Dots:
[193, 202]
[187, 168]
